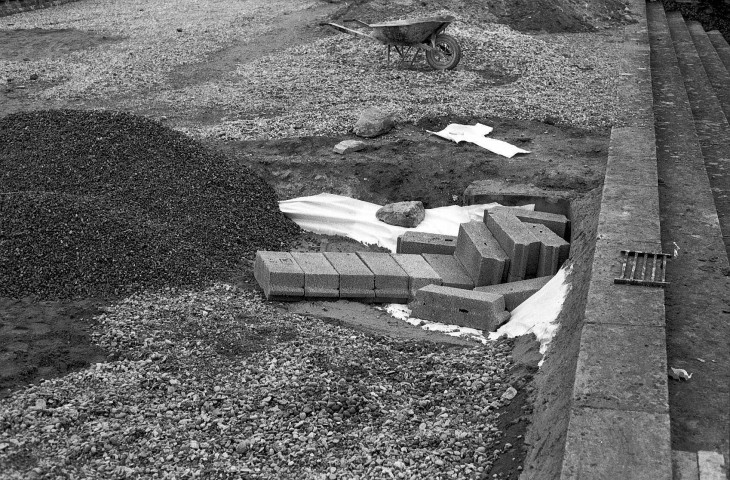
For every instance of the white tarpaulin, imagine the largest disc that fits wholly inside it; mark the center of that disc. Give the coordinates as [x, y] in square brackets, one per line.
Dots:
[476, 134]
[331, 214]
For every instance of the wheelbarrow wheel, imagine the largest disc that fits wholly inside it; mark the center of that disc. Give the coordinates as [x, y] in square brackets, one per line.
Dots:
[446, 55]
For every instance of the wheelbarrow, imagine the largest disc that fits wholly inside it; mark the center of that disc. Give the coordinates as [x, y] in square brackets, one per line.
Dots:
[424, 34]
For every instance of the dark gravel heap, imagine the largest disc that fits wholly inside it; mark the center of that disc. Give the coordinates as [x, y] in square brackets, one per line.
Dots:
[103, 203]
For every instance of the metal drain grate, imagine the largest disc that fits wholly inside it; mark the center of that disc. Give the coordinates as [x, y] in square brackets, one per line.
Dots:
[635, 266]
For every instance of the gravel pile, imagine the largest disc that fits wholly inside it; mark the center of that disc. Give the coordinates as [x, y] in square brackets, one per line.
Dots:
[97, 203]
[218, 384]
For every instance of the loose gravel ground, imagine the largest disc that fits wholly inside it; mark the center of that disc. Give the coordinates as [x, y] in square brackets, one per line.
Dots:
[107, 203]
[218, 384]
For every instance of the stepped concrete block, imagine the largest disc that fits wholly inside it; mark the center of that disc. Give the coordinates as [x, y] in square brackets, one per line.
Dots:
[553, 250]
[622, 367]
[515, 293]
[420, 273]
[554, 221]
[613, 444]
[320, 277]
[391, 282]
[356, 279]
[278, 274]
[480, 254]
[450, 269]
[455, 306]
[422, 242]
[517, 240]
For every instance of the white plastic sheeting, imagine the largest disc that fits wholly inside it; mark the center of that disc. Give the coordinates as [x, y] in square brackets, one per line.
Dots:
[476, 134]
[331, 214]
[538, 314]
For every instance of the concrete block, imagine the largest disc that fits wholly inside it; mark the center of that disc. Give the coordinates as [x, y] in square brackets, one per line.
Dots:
[711, 465]
[420, 273]
[515, 293]
[455, 306]
[553, 250]
[320, 277]
[517, 240]
[356, 279]
[391, 282]
[612, 444]
[422, 242]
[515, 194]
[450, 269]
[278, 274]
[622, 367]
[556, 222]
[480, 254]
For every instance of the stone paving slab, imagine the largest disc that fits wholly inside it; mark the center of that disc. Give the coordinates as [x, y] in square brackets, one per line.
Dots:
[320, 277]
[515, 293]
[622, 367]
[617, 444]
[518, 241]
[391, 282]
[481, 255]
[456, 306]
[422, 242]
[420, 273]
[450, 269]
[278, 274]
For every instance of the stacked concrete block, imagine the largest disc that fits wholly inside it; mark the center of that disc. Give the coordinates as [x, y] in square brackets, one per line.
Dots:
[553, 250]
[356, 279]
[278, 274]
[320, 277]
[481, 255]
[421, 242]
[420, 273]
[467, 308]
[556, 222]
[391, 282]
[450, 269]
[517, 239]
[516, 292]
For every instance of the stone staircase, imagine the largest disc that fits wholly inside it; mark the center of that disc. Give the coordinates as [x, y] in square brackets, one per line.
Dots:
[665, 190]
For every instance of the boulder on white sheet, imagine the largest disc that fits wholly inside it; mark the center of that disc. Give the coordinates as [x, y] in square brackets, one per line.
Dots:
[402, 214]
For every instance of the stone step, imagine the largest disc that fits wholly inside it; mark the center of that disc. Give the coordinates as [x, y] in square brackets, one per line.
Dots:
[321, 280]
[391, 281]
[516, 292]
[450, 269]
[278, 274]
[689, 225]
[710, 122]
[717, 74]
[420, 273]
[356, 279]
[422, 242]
[721, 47]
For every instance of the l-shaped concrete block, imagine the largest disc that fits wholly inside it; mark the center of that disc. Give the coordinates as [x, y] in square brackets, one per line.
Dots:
[480, 254]
[278, 274]
[553, 250]
[556, 222]
[320, 277]
[467, 308]
[516, 292]
[422, 242]
[391, 281]
[517, 240]
[356, 279]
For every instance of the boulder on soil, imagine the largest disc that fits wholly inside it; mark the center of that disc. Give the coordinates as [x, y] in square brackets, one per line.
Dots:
[402, 214]
[349, 146]
[373, 122]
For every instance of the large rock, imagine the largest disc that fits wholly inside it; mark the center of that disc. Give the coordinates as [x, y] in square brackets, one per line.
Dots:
[373, 122]
[402, 214]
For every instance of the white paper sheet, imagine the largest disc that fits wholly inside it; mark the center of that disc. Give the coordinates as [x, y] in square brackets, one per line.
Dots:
[331, 214]
[476, 134]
